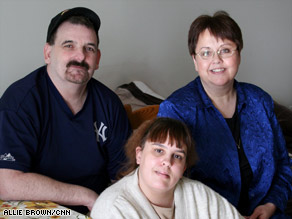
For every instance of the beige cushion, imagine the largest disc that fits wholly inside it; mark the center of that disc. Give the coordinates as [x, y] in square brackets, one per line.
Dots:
[137, 117]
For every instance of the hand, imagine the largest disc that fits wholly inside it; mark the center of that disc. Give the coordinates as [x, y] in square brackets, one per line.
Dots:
[263, 211]
[91, 200]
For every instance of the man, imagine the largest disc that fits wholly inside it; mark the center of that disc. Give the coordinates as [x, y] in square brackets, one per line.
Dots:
[61, 131]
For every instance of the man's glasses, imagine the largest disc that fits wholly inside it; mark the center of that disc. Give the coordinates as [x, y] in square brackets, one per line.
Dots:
[223, 52]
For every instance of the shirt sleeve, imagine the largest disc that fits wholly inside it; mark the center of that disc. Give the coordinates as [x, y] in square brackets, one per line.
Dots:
[120, 132]
[114, 209]
[168, 109]
[281, 188]
[18, 140]
[220, 207]
[205, 201]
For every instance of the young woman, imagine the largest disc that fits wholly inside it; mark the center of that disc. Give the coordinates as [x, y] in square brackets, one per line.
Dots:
[158, 153]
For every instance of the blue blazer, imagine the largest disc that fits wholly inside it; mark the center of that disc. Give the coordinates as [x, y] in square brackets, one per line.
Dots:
[261, 137]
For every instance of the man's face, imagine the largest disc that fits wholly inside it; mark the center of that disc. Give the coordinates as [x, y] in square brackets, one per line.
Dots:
[74, 56]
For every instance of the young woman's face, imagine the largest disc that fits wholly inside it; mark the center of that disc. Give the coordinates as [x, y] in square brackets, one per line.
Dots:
[161, 166]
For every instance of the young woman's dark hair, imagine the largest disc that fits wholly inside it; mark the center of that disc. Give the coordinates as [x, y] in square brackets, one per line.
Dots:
[159, 130]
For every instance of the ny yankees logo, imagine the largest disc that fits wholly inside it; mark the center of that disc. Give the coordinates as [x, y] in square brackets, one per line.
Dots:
[100, 132]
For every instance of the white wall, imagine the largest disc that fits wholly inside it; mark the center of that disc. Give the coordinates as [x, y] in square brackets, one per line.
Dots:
[147, 40]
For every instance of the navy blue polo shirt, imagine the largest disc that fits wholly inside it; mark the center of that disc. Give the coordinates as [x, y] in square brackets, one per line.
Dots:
[39, 133]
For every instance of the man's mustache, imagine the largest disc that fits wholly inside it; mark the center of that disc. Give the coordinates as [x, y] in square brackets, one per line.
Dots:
[76, 63]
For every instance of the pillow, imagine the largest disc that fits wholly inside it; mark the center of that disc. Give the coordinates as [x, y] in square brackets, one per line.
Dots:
[137, 117]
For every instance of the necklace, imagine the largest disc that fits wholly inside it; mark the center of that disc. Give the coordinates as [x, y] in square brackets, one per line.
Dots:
[238, 144]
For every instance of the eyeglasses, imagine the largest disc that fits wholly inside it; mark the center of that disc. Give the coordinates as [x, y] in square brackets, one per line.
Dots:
[223, 52]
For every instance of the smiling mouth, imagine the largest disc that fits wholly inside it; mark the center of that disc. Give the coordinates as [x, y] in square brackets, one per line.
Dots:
[218, 70]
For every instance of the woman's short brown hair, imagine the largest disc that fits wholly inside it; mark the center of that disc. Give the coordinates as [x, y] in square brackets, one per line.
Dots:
[220, 25]
[158, 130]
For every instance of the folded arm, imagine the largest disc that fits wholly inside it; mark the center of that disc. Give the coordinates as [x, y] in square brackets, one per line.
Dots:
[281, 188]
[17, 185]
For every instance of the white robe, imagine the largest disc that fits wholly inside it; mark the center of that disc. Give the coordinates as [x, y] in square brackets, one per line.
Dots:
[192, 199]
